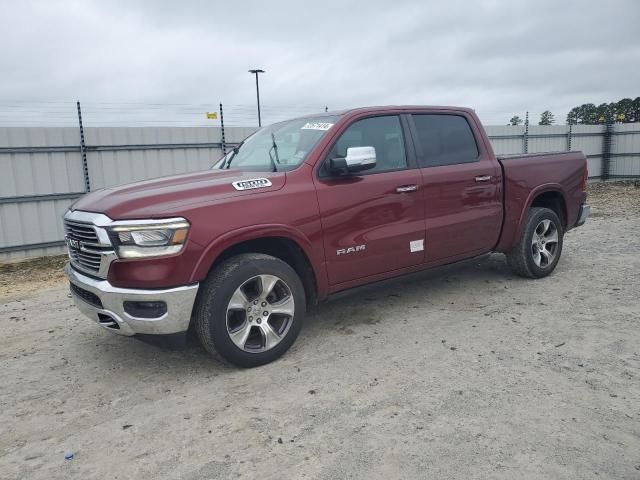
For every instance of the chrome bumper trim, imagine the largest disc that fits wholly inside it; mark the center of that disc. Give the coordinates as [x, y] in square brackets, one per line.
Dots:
[179, 302]
[583, 214]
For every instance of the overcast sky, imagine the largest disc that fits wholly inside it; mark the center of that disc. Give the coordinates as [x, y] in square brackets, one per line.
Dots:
[499, 57]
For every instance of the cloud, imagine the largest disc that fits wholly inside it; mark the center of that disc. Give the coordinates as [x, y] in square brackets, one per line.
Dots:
[500, 58]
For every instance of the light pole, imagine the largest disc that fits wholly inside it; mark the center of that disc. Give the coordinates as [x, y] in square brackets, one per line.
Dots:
[256, 72]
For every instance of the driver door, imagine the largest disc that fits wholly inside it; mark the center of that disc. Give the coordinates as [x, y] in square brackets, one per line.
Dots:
[373, 221]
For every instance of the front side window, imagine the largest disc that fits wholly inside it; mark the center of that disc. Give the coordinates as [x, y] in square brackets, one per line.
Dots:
[444, 140]
[279, 147]
[382, 133]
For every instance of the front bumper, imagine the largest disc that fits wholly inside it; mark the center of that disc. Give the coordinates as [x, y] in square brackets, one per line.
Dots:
[104, 304]
[583, 214]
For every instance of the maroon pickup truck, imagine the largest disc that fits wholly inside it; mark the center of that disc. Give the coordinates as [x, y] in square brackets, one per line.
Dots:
[306, 208]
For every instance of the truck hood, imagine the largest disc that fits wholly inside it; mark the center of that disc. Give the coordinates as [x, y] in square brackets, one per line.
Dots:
[167, 196]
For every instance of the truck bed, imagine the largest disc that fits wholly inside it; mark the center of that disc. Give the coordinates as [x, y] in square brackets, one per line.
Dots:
[527, 175]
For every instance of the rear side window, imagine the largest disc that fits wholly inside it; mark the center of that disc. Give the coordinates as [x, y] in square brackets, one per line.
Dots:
[444, 140]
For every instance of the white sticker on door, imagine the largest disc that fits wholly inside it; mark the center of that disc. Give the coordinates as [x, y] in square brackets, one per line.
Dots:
[416, 245]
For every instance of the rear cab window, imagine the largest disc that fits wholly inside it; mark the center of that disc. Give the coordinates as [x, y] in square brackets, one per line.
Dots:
[444, 139]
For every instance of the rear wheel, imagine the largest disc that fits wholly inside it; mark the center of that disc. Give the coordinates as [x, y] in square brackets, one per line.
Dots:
[540, 245]
[250, 310]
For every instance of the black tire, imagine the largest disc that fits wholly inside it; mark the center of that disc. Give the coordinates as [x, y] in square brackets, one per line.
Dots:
[521, 258]
[210, 310]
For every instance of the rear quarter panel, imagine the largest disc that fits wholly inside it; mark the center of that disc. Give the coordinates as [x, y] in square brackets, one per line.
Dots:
[526, 177]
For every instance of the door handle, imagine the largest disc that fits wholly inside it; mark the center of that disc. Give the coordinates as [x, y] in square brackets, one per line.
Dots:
[483, 178]
[406, 188]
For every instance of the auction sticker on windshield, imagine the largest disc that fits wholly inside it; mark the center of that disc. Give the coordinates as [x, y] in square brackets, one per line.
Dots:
[317, 126]
[253, 183]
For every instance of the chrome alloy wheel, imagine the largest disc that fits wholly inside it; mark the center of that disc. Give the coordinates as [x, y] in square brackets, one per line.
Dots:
[260, 313]
[544, 243]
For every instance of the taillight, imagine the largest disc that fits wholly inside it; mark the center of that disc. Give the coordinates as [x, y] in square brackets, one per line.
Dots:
[585, 176]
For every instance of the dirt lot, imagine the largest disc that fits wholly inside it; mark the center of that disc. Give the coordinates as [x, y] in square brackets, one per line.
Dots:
[465, 372]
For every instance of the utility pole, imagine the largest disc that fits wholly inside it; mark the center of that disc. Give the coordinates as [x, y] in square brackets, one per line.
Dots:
[256, 72]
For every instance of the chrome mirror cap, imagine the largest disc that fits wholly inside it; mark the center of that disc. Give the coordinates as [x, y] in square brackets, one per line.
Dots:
[360, 158]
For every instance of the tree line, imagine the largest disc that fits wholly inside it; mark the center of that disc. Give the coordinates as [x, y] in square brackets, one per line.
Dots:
[626, 110]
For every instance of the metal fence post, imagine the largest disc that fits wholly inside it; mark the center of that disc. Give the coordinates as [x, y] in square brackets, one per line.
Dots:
[606, 150]
[83, 151]
[569, 138]
[525, 137]
[222, 143]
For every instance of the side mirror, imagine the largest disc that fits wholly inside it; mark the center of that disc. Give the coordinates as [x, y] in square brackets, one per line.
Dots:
[357, 160]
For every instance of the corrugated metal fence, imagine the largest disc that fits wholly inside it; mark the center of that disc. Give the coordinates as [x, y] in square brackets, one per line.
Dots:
[621, 160]
[42, 172]
[42, 169]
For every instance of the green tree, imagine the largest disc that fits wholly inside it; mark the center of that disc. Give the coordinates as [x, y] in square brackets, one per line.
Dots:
[635, 110]
[515, 120]
[572, 116]
[624, 111]
[546, 118]
[605, 112]
[586, 113]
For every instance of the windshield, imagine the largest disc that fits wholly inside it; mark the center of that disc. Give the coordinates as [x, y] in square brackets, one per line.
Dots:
[279, 147]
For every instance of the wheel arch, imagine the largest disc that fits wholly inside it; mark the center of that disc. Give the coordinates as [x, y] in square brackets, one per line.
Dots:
[553, 200]
[547, 194]
[278, 241]
[551, 195]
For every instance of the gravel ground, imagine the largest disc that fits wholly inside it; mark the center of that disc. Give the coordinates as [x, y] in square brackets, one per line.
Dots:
[462, 372]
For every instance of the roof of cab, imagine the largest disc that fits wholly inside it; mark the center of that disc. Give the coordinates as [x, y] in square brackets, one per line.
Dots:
[381, 109]
[384, 108]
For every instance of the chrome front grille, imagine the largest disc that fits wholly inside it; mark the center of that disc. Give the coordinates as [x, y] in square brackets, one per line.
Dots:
[88, 259]
[89, 251]
[81, 231]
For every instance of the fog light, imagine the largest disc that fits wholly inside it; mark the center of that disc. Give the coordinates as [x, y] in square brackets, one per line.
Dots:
[145, 309]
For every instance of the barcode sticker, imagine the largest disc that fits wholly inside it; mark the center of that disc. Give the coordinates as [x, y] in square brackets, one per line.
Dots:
[317, 126]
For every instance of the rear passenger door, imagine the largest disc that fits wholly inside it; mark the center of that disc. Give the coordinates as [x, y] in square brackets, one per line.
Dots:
[461, 186]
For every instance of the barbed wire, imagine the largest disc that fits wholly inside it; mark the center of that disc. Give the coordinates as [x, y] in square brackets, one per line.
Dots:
[60, 113]
[140, 113]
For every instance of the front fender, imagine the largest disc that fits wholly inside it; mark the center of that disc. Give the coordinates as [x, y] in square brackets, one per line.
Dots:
[255, 232]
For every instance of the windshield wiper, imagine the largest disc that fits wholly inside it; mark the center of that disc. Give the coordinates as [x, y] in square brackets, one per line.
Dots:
[274, 147]
[235, 152]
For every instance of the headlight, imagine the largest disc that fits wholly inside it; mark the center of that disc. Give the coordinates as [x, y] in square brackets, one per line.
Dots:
[150, 238]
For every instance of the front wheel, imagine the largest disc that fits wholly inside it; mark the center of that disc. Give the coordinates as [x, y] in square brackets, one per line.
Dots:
[538, 251]
[250, 309]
